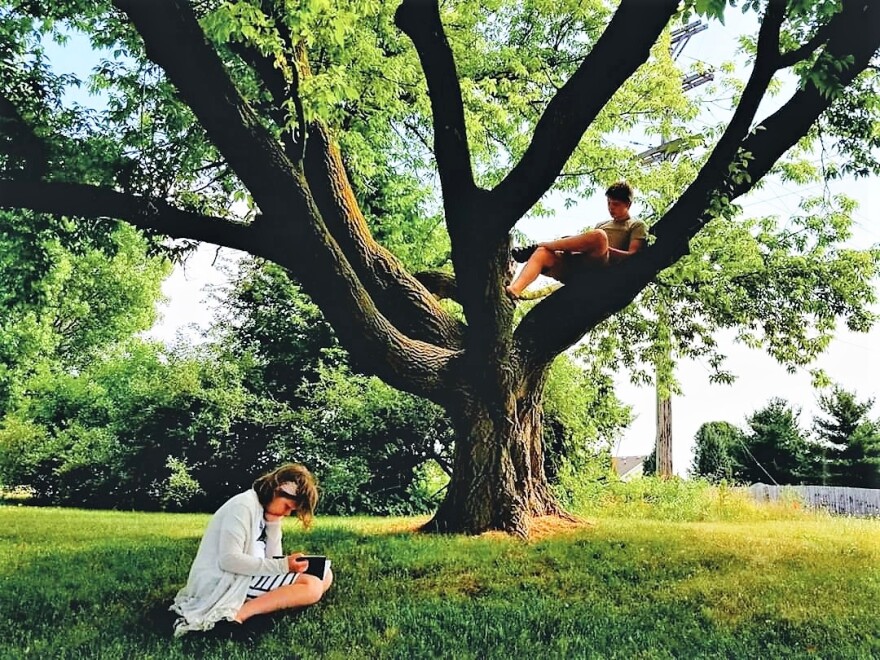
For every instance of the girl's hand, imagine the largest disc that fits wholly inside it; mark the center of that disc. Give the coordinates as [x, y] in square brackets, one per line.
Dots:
[294, 565]
[268, 517]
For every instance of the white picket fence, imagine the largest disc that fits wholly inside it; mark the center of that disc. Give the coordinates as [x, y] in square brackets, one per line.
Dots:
[836, 499]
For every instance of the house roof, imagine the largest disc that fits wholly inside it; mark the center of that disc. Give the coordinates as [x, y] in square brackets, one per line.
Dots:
[626, 464]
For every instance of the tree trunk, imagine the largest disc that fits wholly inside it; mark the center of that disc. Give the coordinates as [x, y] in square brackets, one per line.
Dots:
[498, 480]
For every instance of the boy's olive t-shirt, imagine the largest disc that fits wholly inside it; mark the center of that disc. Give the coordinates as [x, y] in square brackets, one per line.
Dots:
[621, 233]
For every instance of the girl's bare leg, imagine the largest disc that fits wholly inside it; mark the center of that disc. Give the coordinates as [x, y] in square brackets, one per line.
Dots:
[307, 590]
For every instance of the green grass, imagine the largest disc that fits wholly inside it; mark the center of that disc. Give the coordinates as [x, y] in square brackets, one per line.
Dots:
[95, 584]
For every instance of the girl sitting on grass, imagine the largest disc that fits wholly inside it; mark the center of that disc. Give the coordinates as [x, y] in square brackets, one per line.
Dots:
[238, 571]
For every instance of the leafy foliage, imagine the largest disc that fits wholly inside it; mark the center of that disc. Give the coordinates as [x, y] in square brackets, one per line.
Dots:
[715, 445]
[582, 419]
[849, 439]
[81, 300]
[131, 429]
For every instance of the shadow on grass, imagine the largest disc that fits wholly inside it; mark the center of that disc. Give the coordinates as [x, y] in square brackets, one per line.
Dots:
[114, 594]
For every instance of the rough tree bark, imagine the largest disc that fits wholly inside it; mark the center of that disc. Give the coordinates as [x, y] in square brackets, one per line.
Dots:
[488, 374]
[498, 479]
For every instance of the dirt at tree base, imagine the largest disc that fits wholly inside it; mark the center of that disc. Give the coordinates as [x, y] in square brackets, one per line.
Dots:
[543, 527]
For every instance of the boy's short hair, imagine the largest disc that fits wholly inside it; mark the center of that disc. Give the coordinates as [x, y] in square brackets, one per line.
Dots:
[620, 191]
[306, 497]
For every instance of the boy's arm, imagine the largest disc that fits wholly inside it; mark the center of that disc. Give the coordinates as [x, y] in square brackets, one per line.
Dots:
[635, 245]
[637, 239]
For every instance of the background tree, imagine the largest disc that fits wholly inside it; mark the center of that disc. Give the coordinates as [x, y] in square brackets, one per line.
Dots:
[715, 445]
[849, 440]
[72, 301]
[649, 467]
[214, 101]
[775, 447]
[372, 447]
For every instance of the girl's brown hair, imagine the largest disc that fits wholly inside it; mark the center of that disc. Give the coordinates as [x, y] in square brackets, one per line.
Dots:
[306, 498]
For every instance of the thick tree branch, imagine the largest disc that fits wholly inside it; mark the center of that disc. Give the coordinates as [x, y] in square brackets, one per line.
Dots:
[398, 295]
[274, 82]
[717, 167]
[853, 33]
[442, 285]
[280, 89]
[80, 200]
[420, 20]
[621, 49]
[174, 40]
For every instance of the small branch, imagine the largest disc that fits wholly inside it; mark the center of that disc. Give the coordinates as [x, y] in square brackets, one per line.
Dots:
[271, 77]
[793, 57]
[442, 285]
[298, 151]
[26, 145]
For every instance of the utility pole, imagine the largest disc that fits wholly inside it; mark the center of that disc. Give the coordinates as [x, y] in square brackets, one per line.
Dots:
[667, 151]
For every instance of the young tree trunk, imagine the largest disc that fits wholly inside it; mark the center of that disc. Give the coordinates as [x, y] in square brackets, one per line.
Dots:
[498, 480]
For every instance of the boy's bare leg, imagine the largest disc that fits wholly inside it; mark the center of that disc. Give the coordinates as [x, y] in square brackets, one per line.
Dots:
[542, 259]
[592, 245]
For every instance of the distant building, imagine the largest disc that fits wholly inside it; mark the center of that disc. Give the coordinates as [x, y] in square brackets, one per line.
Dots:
[628, 467]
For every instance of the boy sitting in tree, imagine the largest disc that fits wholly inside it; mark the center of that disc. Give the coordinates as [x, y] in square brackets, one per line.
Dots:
[610, 242]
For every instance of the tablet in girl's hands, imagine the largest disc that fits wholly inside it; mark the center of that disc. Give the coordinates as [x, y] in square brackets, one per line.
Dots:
[318, 565]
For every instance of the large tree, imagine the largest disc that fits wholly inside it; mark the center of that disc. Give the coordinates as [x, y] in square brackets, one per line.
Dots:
[235, 109]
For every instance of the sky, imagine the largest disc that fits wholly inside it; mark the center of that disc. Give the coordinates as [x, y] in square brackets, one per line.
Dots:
[852, 360]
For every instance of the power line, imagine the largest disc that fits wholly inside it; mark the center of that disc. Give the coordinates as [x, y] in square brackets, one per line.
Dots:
[775, 483]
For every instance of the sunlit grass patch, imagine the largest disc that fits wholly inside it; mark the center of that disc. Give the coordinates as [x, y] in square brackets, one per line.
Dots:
[678, 499]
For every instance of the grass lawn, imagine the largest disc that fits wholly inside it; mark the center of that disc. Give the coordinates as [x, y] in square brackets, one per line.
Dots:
[95, 584]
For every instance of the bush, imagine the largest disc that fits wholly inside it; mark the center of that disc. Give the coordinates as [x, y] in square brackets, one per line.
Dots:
[179, 489]
[145, 428]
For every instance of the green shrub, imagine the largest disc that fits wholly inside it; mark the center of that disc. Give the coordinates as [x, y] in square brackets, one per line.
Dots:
[180, 489]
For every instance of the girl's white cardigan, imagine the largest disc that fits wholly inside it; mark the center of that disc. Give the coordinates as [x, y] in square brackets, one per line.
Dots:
[225, 564]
